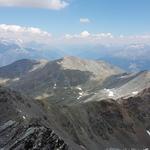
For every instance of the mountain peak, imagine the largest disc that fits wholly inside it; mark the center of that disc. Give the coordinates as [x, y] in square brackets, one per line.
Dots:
[98, 68]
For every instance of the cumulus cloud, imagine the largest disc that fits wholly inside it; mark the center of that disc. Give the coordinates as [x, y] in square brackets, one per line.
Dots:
[108, 38]
[48, 4]
[85, 20]
[86, 36]
[29, 34]
[24, 34]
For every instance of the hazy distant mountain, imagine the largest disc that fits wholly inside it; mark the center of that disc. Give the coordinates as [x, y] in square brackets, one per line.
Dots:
[133, 57]
[134, 65]
[11, 51]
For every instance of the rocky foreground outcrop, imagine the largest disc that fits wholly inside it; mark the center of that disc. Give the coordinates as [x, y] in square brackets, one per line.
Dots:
[95, 125]
[24, 126]
[15, 136]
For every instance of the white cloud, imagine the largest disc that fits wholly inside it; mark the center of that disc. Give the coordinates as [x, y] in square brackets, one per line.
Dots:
[57, 4]
[18, 29]
[134, 42]
[89, 36]
[103, 35]
[84, 20]
[128, 47]
[25, 34]
[84, 34]
[136, 45]
[48, 4]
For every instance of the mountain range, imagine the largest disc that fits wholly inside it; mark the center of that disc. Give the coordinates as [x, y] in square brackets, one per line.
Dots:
[86, 78]
[132, 57]
[87, 104]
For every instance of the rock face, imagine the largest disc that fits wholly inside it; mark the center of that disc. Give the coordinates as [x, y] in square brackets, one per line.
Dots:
[120, 124]
[94, 125]
[15, 136]
[21, 127]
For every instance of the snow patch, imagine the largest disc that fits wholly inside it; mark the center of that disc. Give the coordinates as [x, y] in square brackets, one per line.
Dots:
[55, 86]
[24, 117]
[81, 93]
[15, 79]
[148, 132]
[109, 92]
[135, 93]
[79, 97]
[79, 88]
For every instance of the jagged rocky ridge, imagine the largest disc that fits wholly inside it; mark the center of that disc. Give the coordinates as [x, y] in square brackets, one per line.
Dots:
[17, 136]
[24, 124]
[94, 125]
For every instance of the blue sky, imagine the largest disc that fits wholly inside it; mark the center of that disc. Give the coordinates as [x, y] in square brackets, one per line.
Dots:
[127, 17]
[118, 28]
